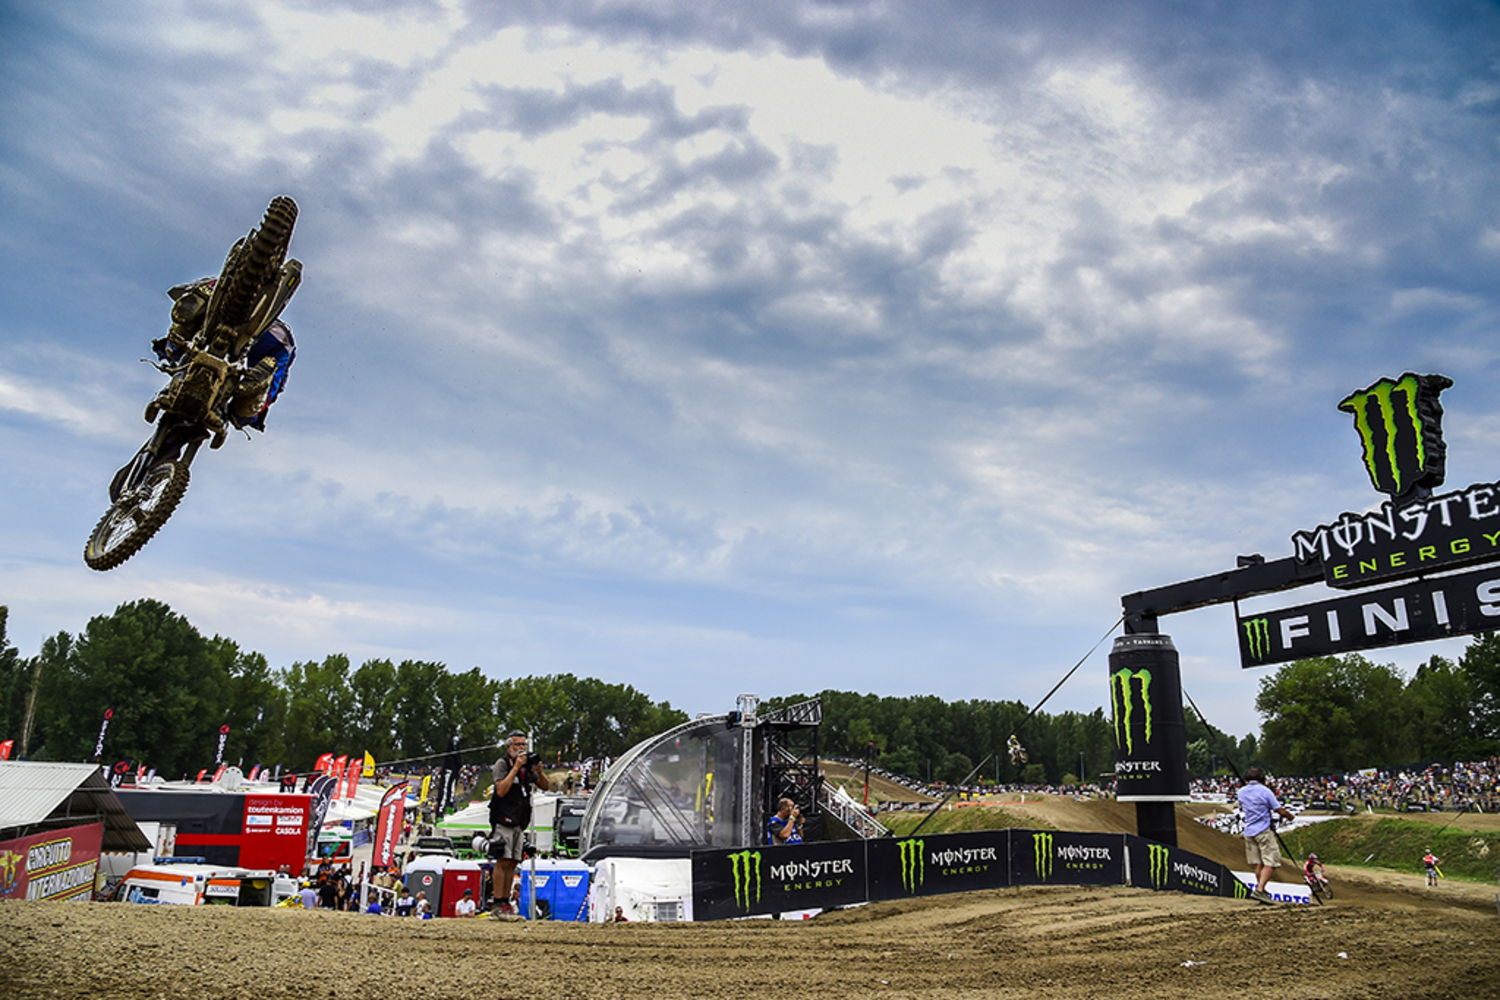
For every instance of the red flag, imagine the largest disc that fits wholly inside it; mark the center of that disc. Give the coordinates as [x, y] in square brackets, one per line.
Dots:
[388, 825]
[336, 768]
[219, 773]
[323, 763]
[201, 774]
[5, 748]
[351, 778]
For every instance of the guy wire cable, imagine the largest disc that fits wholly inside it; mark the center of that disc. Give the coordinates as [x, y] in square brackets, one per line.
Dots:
[1233, 767]
[944, 801]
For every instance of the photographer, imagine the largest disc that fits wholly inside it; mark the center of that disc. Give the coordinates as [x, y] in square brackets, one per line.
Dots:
[785, 824]
[515, 775]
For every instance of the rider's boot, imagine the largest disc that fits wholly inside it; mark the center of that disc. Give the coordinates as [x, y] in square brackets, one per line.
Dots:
[251, 392]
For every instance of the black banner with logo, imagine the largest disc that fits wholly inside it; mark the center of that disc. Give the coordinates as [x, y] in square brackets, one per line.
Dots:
[759, 880]
[927, 866]
[1060, 857]
[1157, 866]
[1412, 612]
[1145, 698]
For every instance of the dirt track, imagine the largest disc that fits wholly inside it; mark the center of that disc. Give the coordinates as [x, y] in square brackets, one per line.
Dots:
[1033, 943]
[1402, 941]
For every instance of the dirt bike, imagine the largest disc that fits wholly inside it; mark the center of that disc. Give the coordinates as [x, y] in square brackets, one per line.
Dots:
[1321, 888]
[204, 353]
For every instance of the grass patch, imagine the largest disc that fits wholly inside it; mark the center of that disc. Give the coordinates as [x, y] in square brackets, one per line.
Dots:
[1398, 845]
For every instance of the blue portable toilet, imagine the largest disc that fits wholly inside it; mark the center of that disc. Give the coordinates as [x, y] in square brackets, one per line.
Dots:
[562, 889]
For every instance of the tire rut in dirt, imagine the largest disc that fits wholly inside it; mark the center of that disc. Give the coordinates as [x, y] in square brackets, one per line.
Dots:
[99, 555]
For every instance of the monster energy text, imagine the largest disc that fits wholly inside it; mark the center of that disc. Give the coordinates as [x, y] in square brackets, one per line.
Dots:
[1193, 875]
[796, 875]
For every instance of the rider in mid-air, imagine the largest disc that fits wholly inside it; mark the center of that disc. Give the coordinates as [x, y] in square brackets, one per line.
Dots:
[269, 360]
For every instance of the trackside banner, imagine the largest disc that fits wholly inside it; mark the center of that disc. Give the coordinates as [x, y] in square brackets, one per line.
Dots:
[1058, 857]
[759, 880]
[927, 866]
[58, 864]
[1157, 866]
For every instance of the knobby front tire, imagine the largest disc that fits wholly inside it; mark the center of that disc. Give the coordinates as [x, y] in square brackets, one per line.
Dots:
[257, 261]
[136, 516]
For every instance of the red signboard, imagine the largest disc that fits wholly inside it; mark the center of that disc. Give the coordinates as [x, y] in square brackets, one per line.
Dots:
[275, 831]
[58, 864]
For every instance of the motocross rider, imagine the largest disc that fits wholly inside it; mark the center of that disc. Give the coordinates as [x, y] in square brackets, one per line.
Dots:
[269, 360]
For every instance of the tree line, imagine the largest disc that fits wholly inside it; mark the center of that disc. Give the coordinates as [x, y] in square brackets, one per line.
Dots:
[1335, 714]
[934, 740]
[171, 689]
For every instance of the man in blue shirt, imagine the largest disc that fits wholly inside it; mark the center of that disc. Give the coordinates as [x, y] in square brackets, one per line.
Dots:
[1257, 803]
[785, 824]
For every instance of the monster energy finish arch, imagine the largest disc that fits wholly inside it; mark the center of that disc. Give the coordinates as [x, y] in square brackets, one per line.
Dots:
[1145, 700]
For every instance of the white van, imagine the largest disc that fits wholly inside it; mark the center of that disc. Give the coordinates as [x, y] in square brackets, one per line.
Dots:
[200, 885]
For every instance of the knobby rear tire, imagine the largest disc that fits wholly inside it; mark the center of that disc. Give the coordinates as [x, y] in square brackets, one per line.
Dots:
[114, 539]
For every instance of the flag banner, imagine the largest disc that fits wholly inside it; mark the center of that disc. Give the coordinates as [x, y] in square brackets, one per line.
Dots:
[109, 713]
[451, 765]
[351, 777]
[323, 763]
[426, 787]
[120, 772]
[927, 866]
[369, 768]
[5, 748]
[1060, 857]
[388, 825]
[321, 790]
[219, 747]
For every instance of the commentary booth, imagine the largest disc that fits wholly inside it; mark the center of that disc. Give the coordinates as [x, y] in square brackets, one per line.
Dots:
[705, 785]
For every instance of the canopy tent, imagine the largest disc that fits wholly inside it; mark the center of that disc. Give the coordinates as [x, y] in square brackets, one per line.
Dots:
[39, 795]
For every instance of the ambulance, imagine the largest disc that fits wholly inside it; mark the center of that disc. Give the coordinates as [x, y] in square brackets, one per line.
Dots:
[204, 885]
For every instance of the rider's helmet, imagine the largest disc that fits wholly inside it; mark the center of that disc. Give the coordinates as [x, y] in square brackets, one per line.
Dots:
[1312, 857]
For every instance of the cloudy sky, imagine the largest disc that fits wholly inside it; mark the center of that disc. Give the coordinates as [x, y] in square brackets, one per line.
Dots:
[765, 347]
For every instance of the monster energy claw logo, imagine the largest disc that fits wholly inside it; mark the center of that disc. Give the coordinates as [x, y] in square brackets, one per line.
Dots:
[1041, 848]
[745, 870]
[1400, 428]
[1122, 701]
[1158, 855]
[913, 864]
[1240, 889]
[1257, 637]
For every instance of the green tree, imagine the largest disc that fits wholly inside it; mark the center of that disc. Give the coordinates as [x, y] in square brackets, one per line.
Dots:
[1438, 718]
[316, 722]
[1329, 714]
[157, 674]
[15, 684]
[1481, 664]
